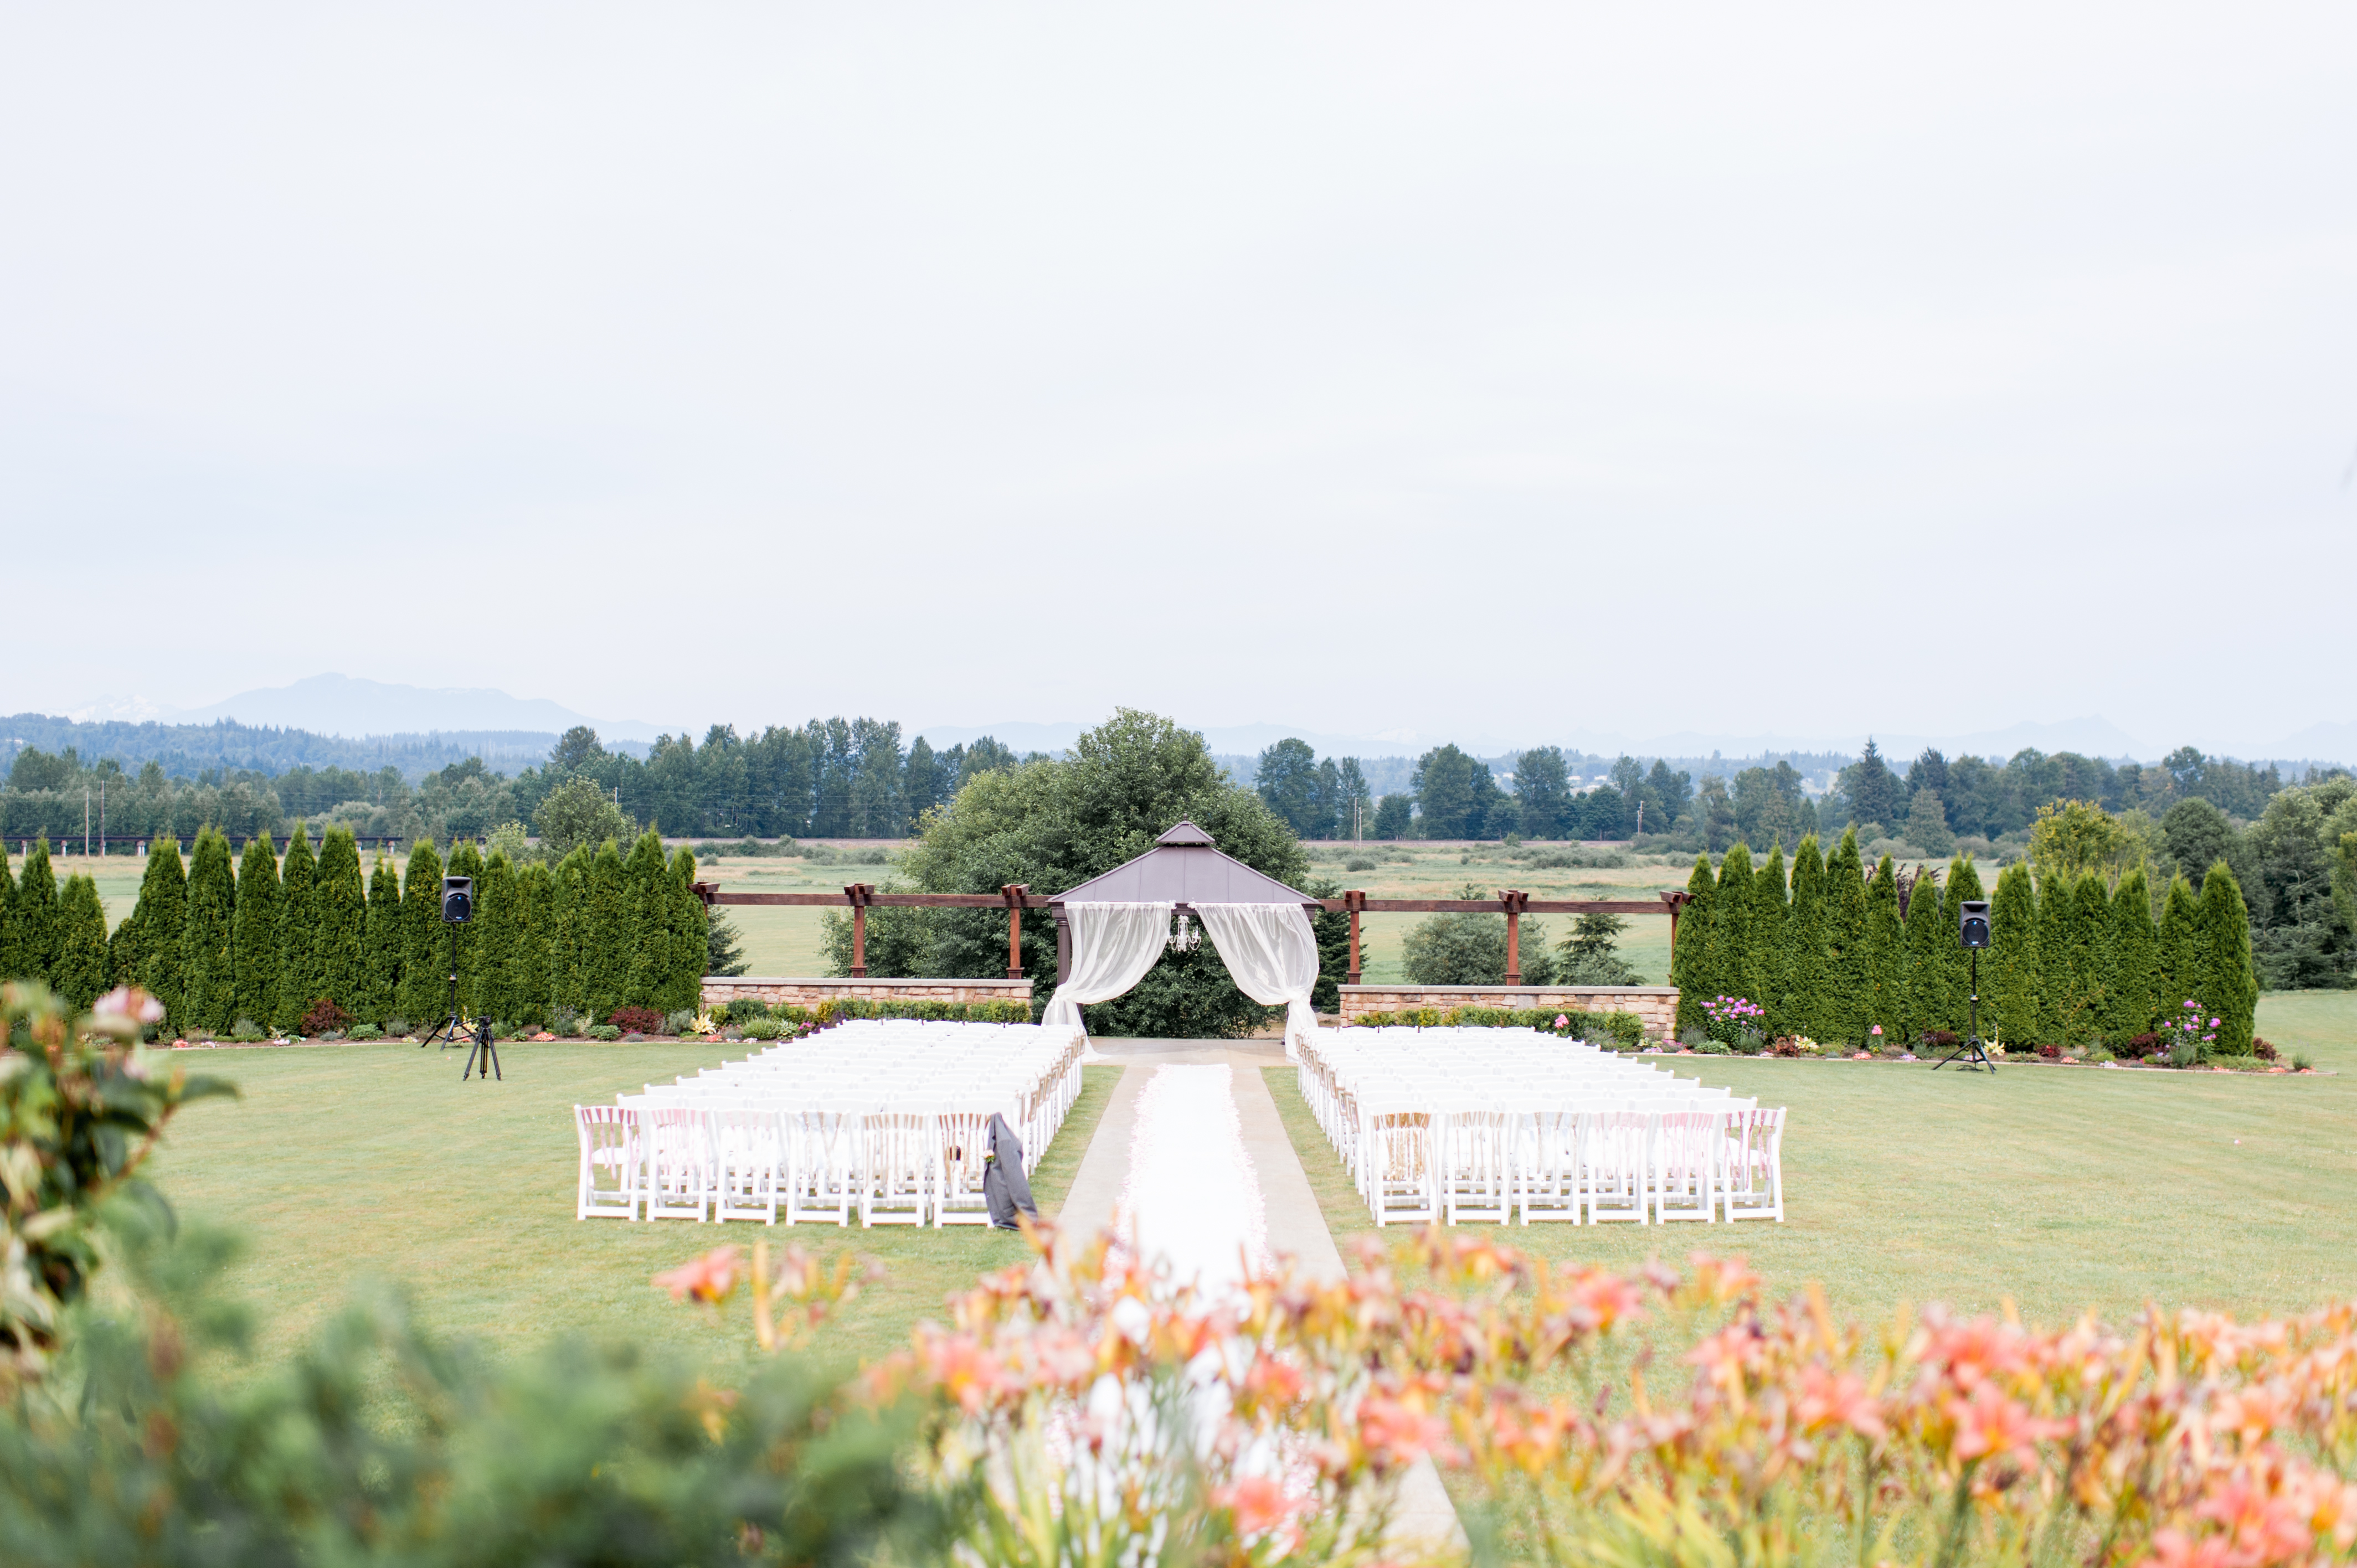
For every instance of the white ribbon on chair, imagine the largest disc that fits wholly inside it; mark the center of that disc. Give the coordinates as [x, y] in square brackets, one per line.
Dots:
[1113, 947]
[1272, 954]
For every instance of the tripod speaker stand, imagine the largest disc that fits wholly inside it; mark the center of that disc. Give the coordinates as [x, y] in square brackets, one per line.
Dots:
[457, 909]
[1973, 930]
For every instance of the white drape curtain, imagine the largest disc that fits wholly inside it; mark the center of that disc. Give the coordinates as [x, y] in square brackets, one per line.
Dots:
[1113, 947]
[1272, 954]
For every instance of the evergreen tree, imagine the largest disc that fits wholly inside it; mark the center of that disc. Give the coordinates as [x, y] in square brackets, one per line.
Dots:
[1805, 1001]
[497, 923]
[1766, 931]
[424, 999]
[386, 930]
[2224, 941]
[1848, 980]
[605, 935]
[529, 968]
[1956, 964]
[2134, 999]
[79, 976]
[2181, 969]
[1927, 969]
[1691, 956]
[646, 952]
[257, 957]
[568, 987]
[36, 916]
[339, 921]
[2092, 959]
[11, 966]
[2010, 974]
[298, 884]
[690, 936]
[209, 939]
[1731, 926]
[466, 860]
[149, 957]
[1885, 954]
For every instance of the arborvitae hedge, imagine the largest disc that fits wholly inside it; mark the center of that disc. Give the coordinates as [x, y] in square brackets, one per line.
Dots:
[146, 950]
[690, 937]
[386, 933]
[1952, 1004]
[2133, 999]
[80, 973]
[1730, 926]
[1847, 978]
[605, 935]
[209, 939]
[35, 915]
[1768, 937]
[257, 932]
[340, 905]
[2230, 986]
[1805, 945]
[466, 860]
[297, 977]
[568, 933]
[2009, 969]
[1691, 960]
[424, 997]
[532, 962]
[2180, 947]
[11, 966]
[1925, 977]
[1885, 954]
[500, 931]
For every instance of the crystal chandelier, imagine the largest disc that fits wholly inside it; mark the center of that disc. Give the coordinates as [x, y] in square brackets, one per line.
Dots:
[1185, 935]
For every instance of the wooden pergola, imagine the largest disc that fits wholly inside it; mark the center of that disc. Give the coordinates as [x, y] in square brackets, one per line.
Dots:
[1017, 897]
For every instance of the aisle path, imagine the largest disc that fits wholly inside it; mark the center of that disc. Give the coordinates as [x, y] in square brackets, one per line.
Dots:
[1294, 1225]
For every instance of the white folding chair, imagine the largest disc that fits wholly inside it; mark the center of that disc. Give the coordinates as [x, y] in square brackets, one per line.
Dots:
[1477, 1170]
[1546, 1165]
[611, 1150]
[1687, 1165]
[678, 1142]
[1752, 1182]
[745, 1158]
[965, 1155]
[1401, 1181]
[899, 1168]
[1616, 1154]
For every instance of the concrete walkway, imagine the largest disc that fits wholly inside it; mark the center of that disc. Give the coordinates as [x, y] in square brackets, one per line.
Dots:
[1295, 1226]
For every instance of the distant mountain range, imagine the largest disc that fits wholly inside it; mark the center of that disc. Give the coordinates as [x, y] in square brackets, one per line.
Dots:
[349, 706]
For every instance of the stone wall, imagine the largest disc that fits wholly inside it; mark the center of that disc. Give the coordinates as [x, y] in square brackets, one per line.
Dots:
[1656, 1004]
[804, 992]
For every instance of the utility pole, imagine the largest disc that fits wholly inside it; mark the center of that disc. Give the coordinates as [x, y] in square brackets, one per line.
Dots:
[85, 822]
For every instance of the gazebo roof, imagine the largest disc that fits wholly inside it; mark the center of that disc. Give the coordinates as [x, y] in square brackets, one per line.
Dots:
[1183, 867]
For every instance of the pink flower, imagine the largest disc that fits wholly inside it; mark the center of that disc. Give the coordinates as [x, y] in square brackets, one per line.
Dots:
[708, 1278]
[129, 1001]
[1258, 1504]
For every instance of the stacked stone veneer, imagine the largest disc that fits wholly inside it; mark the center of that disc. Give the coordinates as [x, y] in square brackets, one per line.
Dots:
[1656, 1004]
[804, 992]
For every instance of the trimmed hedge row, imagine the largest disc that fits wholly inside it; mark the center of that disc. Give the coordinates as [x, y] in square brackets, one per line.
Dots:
[1618, 1031]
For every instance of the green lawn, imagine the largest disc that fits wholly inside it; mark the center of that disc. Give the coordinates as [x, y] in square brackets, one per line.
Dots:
[344, 1162]
[2059, 1188]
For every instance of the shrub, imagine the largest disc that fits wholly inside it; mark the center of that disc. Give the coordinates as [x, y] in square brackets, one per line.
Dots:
[680, 1022]
[1358, 862]
[396, 1026]
[636, 1020]
[323, 1017]
[245, 1032]
[603, 1032]
[362, 1032]
[2262, 1048]
[568, 1023]
[744, 1009]
[763, 1029]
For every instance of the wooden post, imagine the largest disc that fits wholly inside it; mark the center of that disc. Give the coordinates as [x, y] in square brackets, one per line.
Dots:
[1354, 901]
[1014, 892]
[1677, 901]
[1513, 900]
[858, 893]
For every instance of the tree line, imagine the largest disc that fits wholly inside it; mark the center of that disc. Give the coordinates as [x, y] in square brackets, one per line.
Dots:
[307, 942]
[1837, 950]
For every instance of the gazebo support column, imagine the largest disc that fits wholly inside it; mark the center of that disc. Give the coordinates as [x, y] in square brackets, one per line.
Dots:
[1014, 892]
[1355, 902]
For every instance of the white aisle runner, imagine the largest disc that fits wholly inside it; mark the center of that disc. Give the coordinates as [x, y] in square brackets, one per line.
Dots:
[1192, 1199]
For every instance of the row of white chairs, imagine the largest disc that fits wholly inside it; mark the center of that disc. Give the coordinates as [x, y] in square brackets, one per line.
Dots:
[1498, 1126]
[888, 1124]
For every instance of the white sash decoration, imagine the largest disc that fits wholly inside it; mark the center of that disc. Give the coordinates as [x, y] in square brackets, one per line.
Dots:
[1272, 954]
[1113, 947]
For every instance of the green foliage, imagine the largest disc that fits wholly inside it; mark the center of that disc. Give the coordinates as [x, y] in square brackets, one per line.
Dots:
[2009, 977]
[10, 966]
[386, 938]
[2091, 959]
[2230, 986]
[691, 942]
[838, 1009]
[2182, 967]
[1767, 936]
[339, 923]
[568, 930]
[1471, 949]
[208, 940]
[257, 955]
[1955, 964]
[1618, 1031]
[1926, 936]
[606, 932]
[466, 860]
[79, 1114]
[1876, 799]
[147, 947]
[1591, 955]
[532, 966]
[1886, 955]
[578, 813]
[2132, 1000]
[723, 945]
[1455, 796]
[1926, 823]
[424, 994]
[1394, 818]
[80, 974]
[1806, 1004]
[1286, 781]
[1730, 928]
[1693, 954]
[34, 920]
[1848, 970]
[500, 926]
[297, 976]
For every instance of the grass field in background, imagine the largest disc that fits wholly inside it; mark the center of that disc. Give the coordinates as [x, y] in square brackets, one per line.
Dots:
[340, 1162]
[2061, 1189]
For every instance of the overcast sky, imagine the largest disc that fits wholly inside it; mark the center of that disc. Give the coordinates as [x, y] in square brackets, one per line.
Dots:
[1529, 371]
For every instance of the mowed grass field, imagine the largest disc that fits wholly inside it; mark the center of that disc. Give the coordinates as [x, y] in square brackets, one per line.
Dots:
[2059, 1188]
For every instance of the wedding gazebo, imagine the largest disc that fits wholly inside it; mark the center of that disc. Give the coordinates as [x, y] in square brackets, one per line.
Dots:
[1112, 929]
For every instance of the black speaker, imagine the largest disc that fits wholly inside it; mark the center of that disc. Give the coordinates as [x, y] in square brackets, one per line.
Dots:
[1972, 923]
[457, 900]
